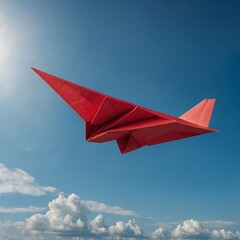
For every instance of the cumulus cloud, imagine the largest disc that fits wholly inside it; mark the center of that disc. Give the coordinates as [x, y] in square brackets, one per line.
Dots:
[190, 229]
[64, 215]
[226, 235]
[160, 233]
[98, 225]
[129, 229]
[97, 229]
[67, 216]
[18, 181]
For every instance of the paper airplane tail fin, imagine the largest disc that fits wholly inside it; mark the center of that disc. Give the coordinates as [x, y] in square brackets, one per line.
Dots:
[201, 113]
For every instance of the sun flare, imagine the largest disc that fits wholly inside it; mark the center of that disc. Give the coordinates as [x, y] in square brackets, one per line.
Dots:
[6, 43]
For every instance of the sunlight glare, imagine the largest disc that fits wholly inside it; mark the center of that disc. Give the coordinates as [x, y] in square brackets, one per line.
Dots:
[6, 41]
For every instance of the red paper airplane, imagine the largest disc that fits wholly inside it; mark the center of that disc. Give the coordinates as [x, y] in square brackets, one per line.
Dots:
[132, 126]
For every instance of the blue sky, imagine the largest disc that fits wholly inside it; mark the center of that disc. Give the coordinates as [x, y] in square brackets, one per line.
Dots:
[164, 55]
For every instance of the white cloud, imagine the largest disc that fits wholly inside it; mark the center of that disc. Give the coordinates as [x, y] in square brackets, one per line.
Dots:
[207, 223]
[97, 229]
[160, 233]
[98, 225]
[64, 215]
[190, 229]
[129, 229]
[103, 208]
[226, 235]
[19, 181]
[67, 216]
[21, 210]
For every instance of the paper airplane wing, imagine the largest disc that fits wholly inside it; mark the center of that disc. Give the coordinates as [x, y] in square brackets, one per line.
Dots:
[85, 102]
[92, 106]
